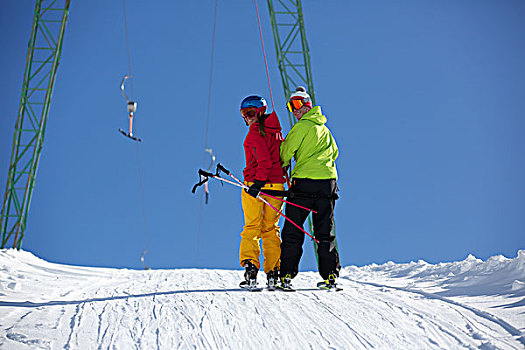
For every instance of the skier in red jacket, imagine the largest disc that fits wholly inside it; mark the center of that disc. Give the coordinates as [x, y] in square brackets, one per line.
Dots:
[263, 171]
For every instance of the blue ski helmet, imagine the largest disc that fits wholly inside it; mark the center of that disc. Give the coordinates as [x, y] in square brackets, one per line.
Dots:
[254, 102]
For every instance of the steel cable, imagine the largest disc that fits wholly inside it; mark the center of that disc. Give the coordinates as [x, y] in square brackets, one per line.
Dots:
[139, 168]
[206, 146]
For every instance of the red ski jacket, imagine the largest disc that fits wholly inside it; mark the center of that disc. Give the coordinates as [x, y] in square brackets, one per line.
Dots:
[262, 152]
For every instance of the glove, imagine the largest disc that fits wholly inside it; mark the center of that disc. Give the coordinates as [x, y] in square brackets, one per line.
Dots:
[255, 189]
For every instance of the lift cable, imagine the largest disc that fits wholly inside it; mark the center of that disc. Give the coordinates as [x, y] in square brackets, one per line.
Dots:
[127, 44]
[264, 54]
[208, 151]
[139, 169]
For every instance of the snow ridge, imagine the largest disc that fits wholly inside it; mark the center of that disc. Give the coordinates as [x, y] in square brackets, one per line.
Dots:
[466, 304]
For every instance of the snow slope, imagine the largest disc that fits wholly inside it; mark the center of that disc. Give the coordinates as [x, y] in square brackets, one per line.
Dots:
[470, 304]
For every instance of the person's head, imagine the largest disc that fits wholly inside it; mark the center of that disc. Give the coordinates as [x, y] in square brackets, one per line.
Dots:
[299, 103]
[252, 110]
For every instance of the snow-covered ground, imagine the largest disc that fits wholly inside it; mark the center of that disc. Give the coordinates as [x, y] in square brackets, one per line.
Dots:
[470, 304]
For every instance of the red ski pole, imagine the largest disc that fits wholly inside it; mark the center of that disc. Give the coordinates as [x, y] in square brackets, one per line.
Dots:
[240, 184]
[285, 201]
[265, 194]
[284, 216]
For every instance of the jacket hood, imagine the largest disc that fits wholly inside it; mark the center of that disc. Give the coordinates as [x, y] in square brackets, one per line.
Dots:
[314, 115]
[271, 124]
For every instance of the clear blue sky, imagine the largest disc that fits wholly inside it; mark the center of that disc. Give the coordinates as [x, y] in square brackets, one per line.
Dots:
[426, 100]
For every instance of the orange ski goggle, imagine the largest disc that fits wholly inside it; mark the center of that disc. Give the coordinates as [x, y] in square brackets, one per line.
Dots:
[294, 105]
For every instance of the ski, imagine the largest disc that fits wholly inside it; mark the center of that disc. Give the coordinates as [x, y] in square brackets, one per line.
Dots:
[252, 287]
[285, 288]
[332, 287]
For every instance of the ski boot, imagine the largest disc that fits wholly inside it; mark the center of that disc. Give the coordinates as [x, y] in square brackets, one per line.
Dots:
[272, 279]
[330, 283]
[250, 277]
[286, 283]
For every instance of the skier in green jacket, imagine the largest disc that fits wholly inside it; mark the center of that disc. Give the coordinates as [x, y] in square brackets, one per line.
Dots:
[314, 185]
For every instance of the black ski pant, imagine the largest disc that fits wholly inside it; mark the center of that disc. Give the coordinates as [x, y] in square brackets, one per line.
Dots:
[318, 195]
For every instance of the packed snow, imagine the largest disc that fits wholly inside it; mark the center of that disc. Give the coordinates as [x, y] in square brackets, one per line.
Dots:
[471, 304]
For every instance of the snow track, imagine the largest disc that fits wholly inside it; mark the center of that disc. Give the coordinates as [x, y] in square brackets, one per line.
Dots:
[56, 306]
[461, 308]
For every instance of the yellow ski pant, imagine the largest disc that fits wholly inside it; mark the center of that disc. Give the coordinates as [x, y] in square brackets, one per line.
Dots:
[260, 222]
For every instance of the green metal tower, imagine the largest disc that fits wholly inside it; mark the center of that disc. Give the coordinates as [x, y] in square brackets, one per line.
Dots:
[43, 56]
[293, 55]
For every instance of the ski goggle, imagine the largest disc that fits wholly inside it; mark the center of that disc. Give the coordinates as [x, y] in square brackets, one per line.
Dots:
[250, 112]
[294, 104]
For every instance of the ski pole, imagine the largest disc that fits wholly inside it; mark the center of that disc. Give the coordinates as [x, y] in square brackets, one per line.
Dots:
[219, 166]
[279, 199]
[285, 201]
[228, 181]
[284, 216]
[240, 184]
[205, 175]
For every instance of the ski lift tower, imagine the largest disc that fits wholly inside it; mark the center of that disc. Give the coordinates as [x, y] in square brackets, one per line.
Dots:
[293, 55]
[43, 56]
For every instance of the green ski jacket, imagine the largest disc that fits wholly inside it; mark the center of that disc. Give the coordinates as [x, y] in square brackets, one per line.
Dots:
[313, 146]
